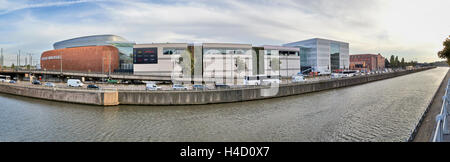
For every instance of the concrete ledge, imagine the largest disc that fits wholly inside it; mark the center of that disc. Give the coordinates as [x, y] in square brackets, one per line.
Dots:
[111, 98]
[245, 94]
[91, 97]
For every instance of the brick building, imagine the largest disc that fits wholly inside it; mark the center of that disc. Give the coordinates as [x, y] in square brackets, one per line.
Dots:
[367, 62]
[97, 53]
[81, 59]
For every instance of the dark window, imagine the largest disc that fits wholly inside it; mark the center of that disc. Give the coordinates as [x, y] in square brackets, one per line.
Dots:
[145, 56]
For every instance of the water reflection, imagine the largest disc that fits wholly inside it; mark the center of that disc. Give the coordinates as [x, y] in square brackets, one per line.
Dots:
[380, 111]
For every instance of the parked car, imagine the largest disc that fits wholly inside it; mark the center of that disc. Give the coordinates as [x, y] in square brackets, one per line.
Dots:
[49, 84]
[12, 81]
[178, 87]
[222, 86]
[92, 86]
[298, 78]
[111, 81]
[74, 83]
[152, 87]
[271, 81]
[199, 87]
[36, 82]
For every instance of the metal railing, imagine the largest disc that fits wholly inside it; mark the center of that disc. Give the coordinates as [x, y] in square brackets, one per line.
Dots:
[441, 119]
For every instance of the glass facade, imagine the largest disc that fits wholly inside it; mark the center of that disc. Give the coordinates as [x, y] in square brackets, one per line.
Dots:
[125, 55]
[335, 56]
[304, 56]
[322, 55]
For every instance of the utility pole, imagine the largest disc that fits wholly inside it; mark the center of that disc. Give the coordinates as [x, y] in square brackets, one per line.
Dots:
[61, 61]
[109, 65]
[31, 60]
[1, 61]
[19, 60]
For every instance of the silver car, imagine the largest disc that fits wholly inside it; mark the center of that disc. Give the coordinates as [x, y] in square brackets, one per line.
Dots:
[49, 84]
[178, 87]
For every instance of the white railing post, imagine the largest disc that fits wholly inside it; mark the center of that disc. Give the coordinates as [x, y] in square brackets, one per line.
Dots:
[444, 116]
[441, 118]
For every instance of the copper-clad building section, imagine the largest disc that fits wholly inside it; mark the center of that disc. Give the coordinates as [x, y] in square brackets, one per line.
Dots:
[81, 59]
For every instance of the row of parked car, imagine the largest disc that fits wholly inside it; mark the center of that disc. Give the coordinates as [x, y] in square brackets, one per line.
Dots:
[179, 87]
[7, 81]
[70, 83]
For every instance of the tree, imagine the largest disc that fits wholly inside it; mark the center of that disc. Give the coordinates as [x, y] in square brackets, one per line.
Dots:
[240, 65]
[386, 63]
[445, 53]
[275, 64]
[392, 61]
[397, 63]
[402, 64]
[12, 66]
[185, 62]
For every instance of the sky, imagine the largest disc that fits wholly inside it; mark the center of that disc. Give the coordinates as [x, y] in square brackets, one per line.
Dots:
[412, 29]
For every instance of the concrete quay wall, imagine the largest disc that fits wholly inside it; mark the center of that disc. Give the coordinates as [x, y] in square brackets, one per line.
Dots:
[90, 97]
[111, 98]
[245, 94]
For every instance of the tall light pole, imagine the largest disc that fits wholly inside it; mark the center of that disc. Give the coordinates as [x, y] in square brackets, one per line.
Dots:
[1, 61]
[19, 60]
[109, 64]
[61, 63]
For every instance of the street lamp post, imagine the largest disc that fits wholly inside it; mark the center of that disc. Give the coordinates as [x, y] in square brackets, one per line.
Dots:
[61, 63]
[109, 70]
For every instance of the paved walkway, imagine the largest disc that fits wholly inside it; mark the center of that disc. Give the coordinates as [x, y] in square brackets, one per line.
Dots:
[426, 129]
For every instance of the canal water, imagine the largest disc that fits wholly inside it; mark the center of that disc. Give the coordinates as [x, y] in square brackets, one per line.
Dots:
[386, 110]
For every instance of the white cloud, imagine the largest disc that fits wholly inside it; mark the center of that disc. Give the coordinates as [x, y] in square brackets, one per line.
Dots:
[410, 29]
[12, 6]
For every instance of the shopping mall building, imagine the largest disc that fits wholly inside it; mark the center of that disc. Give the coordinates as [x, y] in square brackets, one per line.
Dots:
[202, 62]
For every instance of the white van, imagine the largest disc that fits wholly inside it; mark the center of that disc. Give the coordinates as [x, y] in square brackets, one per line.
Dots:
[152, 87]
[252, 80]
[271, 79]
[74, 83]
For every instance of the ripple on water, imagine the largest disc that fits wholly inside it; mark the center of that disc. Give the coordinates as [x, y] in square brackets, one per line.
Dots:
[385, 110]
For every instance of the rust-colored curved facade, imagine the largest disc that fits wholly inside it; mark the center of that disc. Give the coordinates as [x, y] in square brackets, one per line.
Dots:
[82, 59]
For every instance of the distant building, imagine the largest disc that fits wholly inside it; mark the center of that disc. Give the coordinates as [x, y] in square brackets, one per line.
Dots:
[322, 55]
[367, 62]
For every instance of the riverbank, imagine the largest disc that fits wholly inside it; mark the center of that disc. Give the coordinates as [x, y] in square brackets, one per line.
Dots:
[79, 96]
[427, 125]
[135, 97]
[164, 98]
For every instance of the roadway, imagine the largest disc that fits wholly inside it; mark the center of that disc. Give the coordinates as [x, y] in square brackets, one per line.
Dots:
[88, 75]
